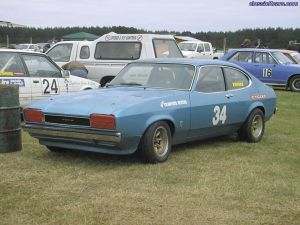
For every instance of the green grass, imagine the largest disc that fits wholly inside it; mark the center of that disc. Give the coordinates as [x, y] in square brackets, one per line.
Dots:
[219, 181]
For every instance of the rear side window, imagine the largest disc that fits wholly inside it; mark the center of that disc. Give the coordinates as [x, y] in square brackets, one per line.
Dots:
[84, 52]
[242, 57]
[210, 79]
[11, 65]
[166, 48]
[200, 48]
[118, 50]
[61, 52]
[235, 79]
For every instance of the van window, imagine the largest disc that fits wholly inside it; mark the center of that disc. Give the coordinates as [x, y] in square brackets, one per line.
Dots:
[206, 47]
[61, 52]
[166, 48]
[84, 52]
[11, 65]
[118, 50]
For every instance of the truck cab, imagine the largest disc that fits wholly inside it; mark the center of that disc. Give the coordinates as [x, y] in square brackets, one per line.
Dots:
[197, 49]
[107, 55]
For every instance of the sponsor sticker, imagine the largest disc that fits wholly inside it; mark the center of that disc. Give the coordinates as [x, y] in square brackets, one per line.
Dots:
[19, 82]
[238, 84]
[123, 38]
[173, 103]
[258, 97]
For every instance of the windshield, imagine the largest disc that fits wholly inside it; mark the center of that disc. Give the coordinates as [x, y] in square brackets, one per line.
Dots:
[22, 46]
[296, 56]
[157, 75]
[187, 46]
[281, 58]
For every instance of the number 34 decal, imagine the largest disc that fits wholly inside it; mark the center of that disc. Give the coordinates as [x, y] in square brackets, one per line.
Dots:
[50, 86]
[220, 115]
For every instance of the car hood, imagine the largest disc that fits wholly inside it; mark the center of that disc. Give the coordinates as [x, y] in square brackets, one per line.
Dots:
[109, 101]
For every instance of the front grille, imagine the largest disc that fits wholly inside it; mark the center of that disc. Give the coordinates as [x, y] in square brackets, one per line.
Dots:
[70, 120]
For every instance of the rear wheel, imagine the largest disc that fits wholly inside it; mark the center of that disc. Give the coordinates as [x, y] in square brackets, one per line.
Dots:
[254, 127]
[295, 83]
[155, 145]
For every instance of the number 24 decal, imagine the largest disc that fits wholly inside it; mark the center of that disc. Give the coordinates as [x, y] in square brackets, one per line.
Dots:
[220, 115]
[50, 89]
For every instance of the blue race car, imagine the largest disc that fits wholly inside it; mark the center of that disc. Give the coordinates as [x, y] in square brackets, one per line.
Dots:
[270, 66]
[152, 105]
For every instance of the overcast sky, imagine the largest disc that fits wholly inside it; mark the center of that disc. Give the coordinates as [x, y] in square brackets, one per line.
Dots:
[171, 15]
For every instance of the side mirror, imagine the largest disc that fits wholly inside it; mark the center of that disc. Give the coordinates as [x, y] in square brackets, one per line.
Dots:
[65, 73]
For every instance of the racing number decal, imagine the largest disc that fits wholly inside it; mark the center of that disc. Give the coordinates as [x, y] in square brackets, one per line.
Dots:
[50, 86]
[220, 115]
[267, 72]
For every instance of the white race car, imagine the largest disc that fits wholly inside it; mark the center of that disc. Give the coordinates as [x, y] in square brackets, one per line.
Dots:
[38, 76]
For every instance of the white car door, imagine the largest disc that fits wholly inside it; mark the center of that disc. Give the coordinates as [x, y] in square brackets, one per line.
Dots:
[12, 72]
[46, 78]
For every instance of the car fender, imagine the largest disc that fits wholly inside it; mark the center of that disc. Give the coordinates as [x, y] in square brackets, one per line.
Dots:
[85, 87]
[254, 105]
[154, 118]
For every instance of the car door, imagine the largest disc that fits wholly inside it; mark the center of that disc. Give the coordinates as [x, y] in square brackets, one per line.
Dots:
[210, 104]
[46, 78]
[12, 72]
[266, 69]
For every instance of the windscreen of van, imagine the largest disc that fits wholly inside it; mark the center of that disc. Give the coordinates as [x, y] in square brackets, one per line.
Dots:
[118, 50]
[166, 48]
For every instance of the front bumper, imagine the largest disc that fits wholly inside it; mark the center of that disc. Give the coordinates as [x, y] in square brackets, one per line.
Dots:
[64, 132]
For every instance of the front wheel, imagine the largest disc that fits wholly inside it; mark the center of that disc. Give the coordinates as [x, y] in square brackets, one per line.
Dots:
[155, 145]
[254, 127]
[295, 83]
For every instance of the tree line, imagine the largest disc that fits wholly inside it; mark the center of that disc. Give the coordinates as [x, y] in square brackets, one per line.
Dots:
[270, 37]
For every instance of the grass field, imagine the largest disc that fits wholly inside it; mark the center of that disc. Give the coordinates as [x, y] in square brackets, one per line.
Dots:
[219, 181]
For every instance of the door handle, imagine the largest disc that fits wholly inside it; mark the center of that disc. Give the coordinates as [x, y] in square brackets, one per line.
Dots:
[36, 81]
[229, 95]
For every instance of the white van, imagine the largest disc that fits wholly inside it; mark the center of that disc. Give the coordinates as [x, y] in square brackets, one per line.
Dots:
[107, 55]
[198, 49]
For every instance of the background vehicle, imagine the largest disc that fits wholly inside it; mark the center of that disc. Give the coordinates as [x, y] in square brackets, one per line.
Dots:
[293, 55]
[152, 104]
[198, 49]
[269, 65]
[29, 47]
[38, 76]
[107, 55]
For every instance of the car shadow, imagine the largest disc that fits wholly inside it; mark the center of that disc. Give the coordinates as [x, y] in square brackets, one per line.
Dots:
[75, 156]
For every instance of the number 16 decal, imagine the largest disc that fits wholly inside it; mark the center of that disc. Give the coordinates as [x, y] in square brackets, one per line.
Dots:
[220, 115]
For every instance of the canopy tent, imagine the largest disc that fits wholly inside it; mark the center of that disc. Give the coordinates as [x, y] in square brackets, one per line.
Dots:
[80, 36]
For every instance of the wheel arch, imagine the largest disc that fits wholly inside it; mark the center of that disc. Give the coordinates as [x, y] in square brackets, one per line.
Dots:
[287, 86]
[257, 105]
[170, 121]
[105, 79]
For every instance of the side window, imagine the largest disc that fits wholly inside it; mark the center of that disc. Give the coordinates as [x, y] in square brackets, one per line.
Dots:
[242, 57]
[166, 48]
[84, 52]
[40, 66]
[264, 57]
[235, 79]
[61, 53]
[200, 48]
[210, 80]
[11, 65]
[206, 47]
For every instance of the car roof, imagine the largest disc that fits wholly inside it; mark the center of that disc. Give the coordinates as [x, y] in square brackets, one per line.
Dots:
[19, 51]
[257, 49]
[194, 62]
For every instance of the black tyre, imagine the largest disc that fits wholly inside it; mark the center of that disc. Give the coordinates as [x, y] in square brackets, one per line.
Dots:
[155, 145]
[254, 127]
[56, 149]
[295, 83]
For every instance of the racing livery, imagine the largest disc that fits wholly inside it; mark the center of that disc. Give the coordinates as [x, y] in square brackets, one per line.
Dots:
[37, 76]
[152, 105]
[270, 66]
